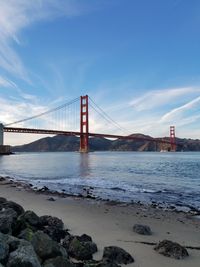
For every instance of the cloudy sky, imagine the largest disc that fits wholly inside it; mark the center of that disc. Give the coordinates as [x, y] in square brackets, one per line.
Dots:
[138, 59]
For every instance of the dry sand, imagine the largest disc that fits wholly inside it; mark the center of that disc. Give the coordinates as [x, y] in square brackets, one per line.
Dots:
[110, 224]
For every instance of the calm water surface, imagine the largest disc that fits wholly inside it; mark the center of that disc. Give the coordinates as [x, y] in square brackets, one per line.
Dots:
[127, 176]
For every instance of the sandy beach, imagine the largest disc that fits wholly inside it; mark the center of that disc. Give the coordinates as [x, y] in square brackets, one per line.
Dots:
[111, 224]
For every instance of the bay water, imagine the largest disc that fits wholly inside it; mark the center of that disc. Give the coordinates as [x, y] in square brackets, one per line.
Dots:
[171, 178]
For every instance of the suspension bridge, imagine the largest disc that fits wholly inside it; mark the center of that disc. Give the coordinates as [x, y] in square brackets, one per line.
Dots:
[54, 122]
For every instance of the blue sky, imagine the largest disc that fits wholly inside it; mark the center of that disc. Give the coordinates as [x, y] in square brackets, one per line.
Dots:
[138, 59]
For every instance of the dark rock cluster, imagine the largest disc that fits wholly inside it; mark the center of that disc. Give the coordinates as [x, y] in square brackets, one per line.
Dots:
[171, 249]
[27, 240]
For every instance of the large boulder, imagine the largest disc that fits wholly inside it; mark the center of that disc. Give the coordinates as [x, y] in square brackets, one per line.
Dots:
[117, 255]
[53, 226]
[12, 242]
[48, 220]
[2, 200]
[55, 233]
[45, 247]
[142, 229]
[12, 205]
[24, 256]
[58, 262]
[30, 218]
[81, 250]
[171, 249]
[26, 220]
[7, 220]
[68, 238]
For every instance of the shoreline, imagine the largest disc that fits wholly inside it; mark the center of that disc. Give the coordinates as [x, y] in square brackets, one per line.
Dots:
[87, 193]
[110, 223]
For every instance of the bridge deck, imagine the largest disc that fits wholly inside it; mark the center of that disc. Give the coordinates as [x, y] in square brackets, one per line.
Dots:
[68, 133]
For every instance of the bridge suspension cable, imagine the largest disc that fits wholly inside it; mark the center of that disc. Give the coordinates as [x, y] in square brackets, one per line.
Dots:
[103, 114]
[44, 113]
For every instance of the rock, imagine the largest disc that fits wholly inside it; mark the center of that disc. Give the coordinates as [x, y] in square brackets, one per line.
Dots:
[4, 250]
[171, 249]
[30, 217]
[26, 234]
[58, 262]
[45, 247]
[84, 238]
[7, 220]
[81, 250]
[18, 227]
[24, 256]
[27, 220]
[43, 189]
[90, 196]
[66, 241]
[117, 255]
[68, 238]
[51, 199]
[14, 243]
[55, 233]
[2, 200]
[142, 229]
[51, 221]
[12, 205]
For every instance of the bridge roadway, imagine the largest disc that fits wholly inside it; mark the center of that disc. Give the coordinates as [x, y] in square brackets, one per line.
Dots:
[68, 133]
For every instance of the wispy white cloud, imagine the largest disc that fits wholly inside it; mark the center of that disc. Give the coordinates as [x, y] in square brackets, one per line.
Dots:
[15, 16]
[7, 83]
[14, 109]
[178, 112]
[158, 98]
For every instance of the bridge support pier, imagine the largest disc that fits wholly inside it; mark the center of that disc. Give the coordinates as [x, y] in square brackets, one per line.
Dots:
[1, 134]
[4, 150]
[84, 125]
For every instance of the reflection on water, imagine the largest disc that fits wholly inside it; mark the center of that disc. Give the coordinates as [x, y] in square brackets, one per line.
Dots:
[84, 164]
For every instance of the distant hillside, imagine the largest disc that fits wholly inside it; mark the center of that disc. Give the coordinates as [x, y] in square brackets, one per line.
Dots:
[71, 143]
[62, 143]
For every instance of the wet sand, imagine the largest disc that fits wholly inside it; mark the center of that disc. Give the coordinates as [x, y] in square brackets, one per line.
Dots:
[111, 224]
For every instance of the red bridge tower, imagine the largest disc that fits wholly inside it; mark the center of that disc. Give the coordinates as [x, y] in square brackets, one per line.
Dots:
[84, 125]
